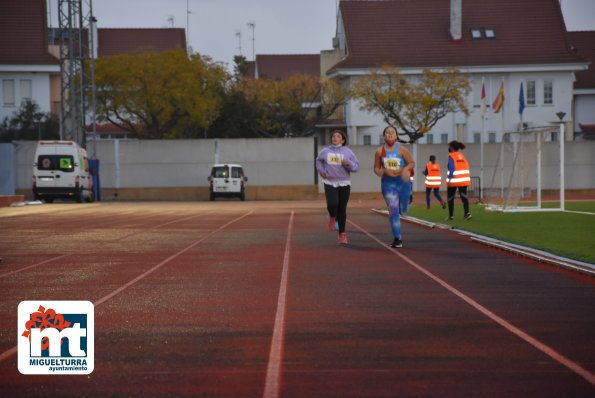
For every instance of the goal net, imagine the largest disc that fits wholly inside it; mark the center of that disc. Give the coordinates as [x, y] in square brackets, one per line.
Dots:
[515, 183]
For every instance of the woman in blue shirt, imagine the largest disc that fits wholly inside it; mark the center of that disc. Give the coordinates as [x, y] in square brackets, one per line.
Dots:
[392, 163]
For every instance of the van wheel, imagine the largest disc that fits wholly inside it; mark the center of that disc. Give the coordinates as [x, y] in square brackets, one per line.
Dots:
[90, 198]
[211, 196]
[79, 196]
[242, 196]
[49, 200]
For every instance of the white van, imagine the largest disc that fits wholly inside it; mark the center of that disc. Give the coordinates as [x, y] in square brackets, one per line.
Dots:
[61, 170]
[227, 180]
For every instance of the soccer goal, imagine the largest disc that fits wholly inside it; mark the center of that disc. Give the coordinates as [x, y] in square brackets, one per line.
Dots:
[516, 181]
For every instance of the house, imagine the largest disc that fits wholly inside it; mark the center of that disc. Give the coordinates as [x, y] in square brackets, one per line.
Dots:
[583, 43]
[506, 42]
[282, 66]
[27, 70]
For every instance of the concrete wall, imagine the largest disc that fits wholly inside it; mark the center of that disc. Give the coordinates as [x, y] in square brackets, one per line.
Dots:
[277, 169]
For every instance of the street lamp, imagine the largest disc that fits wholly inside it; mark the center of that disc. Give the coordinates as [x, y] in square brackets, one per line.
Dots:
[562, 139]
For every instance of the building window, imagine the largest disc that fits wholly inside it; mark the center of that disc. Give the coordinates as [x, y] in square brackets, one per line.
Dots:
[429, 138]
[367, 140]
[476, 137]
[548, 92]
[490, 33]
[8, 90]
[491, 137]
[531, 92]
[506, 137]
[26, 90]
[444, 138]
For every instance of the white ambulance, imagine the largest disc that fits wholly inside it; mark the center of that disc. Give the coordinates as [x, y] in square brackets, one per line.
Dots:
[61, 170]
[227, 180]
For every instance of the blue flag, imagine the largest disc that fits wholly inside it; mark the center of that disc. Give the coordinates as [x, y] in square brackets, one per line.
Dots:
[521, 100]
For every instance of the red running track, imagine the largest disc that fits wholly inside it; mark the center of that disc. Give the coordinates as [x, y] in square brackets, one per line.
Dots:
[252, 299]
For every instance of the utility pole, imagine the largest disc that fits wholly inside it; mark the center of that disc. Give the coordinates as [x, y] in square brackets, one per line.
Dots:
[239, 36]
[252, 26]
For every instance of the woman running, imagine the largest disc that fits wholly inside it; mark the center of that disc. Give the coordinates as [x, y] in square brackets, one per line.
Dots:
[335, 164]
[392, 163]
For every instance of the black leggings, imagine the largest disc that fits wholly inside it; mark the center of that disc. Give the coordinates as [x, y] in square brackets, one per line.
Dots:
[451, 193]
[336, 203]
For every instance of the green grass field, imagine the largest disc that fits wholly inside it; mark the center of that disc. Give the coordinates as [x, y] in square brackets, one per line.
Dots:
[566, 234]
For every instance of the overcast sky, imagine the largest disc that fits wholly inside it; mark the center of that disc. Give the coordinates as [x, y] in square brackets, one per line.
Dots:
[280, 26]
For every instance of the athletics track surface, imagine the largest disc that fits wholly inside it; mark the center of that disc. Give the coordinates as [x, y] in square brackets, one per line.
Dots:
[253, 299]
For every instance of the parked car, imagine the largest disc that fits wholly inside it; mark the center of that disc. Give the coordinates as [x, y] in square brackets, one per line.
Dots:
[227, 180]
[61, 171]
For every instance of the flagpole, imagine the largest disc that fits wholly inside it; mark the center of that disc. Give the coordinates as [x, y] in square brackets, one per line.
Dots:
[483, 112]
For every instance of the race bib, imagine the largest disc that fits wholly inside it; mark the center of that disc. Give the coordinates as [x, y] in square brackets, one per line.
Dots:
[392, 163]
[334, 158]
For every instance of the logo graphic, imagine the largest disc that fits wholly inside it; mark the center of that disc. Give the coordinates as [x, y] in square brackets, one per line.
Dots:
[56, 337]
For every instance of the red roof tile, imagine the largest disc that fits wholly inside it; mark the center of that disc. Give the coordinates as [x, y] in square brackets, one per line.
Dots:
[117, 41]
[584, 45]
[23, 37]
[415, 33]
[283, 66]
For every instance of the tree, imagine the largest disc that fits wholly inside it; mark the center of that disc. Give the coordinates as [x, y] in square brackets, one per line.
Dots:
[294, 106]
[29, 123]
[165, 95]
[413, 105]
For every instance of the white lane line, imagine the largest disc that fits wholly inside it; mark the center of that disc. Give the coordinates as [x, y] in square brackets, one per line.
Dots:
[115, 240]
[167, 260]
[35, 265]
[573, 366]
[161, 225]
[8, 353]
[273, 376]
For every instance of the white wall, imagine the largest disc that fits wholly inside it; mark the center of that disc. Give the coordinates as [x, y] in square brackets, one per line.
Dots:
[283, 162]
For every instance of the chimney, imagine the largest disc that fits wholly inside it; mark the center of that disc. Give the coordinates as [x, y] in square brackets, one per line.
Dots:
[456, 19]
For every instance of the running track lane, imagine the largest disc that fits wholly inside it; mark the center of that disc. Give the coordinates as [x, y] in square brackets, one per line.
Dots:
[12, 351]
[361, 321]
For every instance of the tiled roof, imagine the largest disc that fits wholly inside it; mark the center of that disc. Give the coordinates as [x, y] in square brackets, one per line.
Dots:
[23, 33]
[283, 66]
[415, 33]
[584, 45]
[117, 41]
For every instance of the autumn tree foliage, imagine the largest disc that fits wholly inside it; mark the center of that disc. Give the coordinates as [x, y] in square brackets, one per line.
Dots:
[413, 104]
[291, 107]
[164, 95]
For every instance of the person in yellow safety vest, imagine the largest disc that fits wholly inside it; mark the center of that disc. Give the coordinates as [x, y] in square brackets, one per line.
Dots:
[433, 181]
[458, 177]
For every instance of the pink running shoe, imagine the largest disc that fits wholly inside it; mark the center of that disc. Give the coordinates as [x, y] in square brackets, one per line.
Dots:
[343, 238]
[331, 223]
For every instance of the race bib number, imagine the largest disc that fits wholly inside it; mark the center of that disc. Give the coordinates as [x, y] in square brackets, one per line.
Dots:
[392, 164]
[334, 158]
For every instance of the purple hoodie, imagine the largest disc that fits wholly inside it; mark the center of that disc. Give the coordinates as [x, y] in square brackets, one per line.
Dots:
[329, 164]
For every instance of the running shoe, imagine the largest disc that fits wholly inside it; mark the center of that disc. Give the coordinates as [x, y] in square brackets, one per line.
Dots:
[343, 238]
[397, 243]
[468, 216]
[331, 223]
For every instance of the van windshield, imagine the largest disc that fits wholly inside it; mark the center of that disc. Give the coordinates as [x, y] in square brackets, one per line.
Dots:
[55, 162]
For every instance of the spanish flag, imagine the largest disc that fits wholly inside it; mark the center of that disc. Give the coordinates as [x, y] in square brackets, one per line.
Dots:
[499, 101]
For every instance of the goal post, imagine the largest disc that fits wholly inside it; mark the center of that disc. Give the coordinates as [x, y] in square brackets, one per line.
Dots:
[516, 181]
